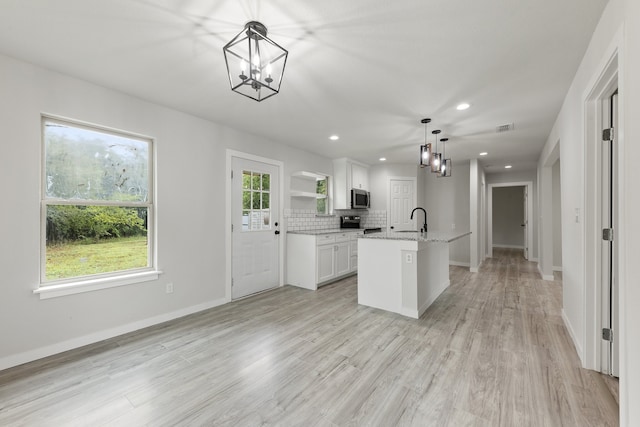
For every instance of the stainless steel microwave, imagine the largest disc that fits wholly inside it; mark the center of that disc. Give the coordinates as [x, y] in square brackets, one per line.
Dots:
[359, 199]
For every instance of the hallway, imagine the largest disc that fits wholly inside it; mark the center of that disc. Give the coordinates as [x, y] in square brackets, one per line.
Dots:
[491, 351]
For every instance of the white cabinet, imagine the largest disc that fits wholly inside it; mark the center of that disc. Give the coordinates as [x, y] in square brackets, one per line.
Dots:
[314, 260]
[326, 262]
[341, 251]
[348, 174]
[359, 177]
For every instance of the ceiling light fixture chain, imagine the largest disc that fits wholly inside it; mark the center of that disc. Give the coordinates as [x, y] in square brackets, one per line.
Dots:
[264, 58]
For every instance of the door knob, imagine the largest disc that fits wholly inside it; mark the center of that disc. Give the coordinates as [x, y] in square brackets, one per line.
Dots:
[277, 231]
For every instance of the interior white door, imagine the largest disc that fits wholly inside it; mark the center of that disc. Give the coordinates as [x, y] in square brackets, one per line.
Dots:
[525, 222]
[255, 227]
[609, 261]
[401, 203]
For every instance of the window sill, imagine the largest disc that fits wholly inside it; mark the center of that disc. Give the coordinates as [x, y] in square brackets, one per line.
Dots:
[89, 285]
[325, 215]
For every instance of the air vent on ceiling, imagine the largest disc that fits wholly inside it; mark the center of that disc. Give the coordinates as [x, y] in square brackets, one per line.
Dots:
[505, 128]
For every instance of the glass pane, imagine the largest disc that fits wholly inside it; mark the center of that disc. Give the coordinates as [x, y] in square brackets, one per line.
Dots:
[321, 206]
[85, 164]
[321, 187]
[246, 180]
[265, 200]
[245, 220]
[255, 181]
[256, 218]
[266, 181]
[266, 220]
[86, 240]
[255, 203]
[246, 200]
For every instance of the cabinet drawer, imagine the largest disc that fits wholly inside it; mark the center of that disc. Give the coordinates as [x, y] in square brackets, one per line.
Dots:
[354, 236]
[342, 237]
[323, 239]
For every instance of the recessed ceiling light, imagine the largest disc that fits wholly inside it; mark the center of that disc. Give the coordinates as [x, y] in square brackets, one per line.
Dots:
[382, 159]
[334, 137]
[508, 167]
[462, 106]
[484, 153]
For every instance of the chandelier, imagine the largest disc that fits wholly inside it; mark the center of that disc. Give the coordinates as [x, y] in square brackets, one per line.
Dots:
[255, 63]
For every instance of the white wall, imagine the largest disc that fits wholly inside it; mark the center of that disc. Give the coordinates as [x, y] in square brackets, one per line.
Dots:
[477, 210]
[618, 30]
[190, 211]
[521, 176]
[508, 214]
[447, 202]
[556, 217]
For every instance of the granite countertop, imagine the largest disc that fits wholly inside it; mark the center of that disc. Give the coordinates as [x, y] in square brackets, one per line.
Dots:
[431, 236]
[327, 231]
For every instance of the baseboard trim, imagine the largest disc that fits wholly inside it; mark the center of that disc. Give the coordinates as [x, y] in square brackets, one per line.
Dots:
[508, 246]
[576, 344]
[556, 268]
[459, 263]
[544, 277]
[50, 350]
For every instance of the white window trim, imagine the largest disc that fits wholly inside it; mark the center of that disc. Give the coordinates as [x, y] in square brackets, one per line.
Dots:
[52, 289]
[89, 285]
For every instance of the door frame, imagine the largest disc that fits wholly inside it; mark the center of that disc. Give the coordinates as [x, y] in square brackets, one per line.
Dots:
[415, 193]
[229, 215]
[603, 85]
[529, 186]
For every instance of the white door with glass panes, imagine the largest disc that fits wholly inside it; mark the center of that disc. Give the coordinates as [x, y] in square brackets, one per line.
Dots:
[255, 227]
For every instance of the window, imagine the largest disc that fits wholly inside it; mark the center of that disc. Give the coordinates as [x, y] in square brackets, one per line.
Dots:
[322, 200]
[256, 194]
[97, 210]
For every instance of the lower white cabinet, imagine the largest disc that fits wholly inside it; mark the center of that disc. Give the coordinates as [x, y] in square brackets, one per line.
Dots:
[315, 260]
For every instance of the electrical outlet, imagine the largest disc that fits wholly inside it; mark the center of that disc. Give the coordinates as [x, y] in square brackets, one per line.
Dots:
[409, 258]
[453, 226]
[169, 288]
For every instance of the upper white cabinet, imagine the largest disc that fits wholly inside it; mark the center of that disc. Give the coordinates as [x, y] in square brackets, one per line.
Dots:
[359, 176]
[348, 174]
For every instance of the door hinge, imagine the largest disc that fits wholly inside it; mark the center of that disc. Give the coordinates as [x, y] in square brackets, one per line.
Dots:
[607, 234]
[608, 134]
[232, 228]
[607, 334]
[231, 173]
[232, 283]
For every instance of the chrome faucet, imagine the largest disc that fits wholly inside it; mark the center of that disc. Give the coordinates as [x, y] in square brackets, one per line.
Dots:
[425, 218]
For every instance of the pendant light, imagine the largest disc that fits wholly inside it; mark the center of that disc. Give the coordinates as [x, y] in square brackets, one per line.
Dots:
[445, 166]
[436, 157]
[255, 63]
[425, 150]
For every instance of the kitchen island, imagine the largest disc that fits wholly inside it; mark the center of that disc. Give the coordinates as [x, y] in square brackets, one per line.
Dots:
[404, 272]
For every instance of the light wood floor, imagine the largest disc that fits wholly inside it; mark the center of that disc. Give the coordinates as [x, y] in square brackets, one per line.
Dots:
[491, 351]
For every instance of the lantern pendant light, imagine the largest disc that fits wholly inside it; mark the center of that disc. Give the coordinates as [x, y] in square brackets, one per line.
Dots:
[445, 165]
[436, 157]
[255, 63]
[425, 150]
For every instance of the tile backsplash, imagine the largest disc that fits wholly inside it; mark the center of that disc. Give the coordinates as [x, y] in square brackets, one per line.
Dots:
[303, 219]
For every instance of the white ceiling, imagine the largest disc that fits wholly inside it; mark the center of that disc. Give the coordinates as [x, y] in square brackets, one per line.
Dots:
[367, 70]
